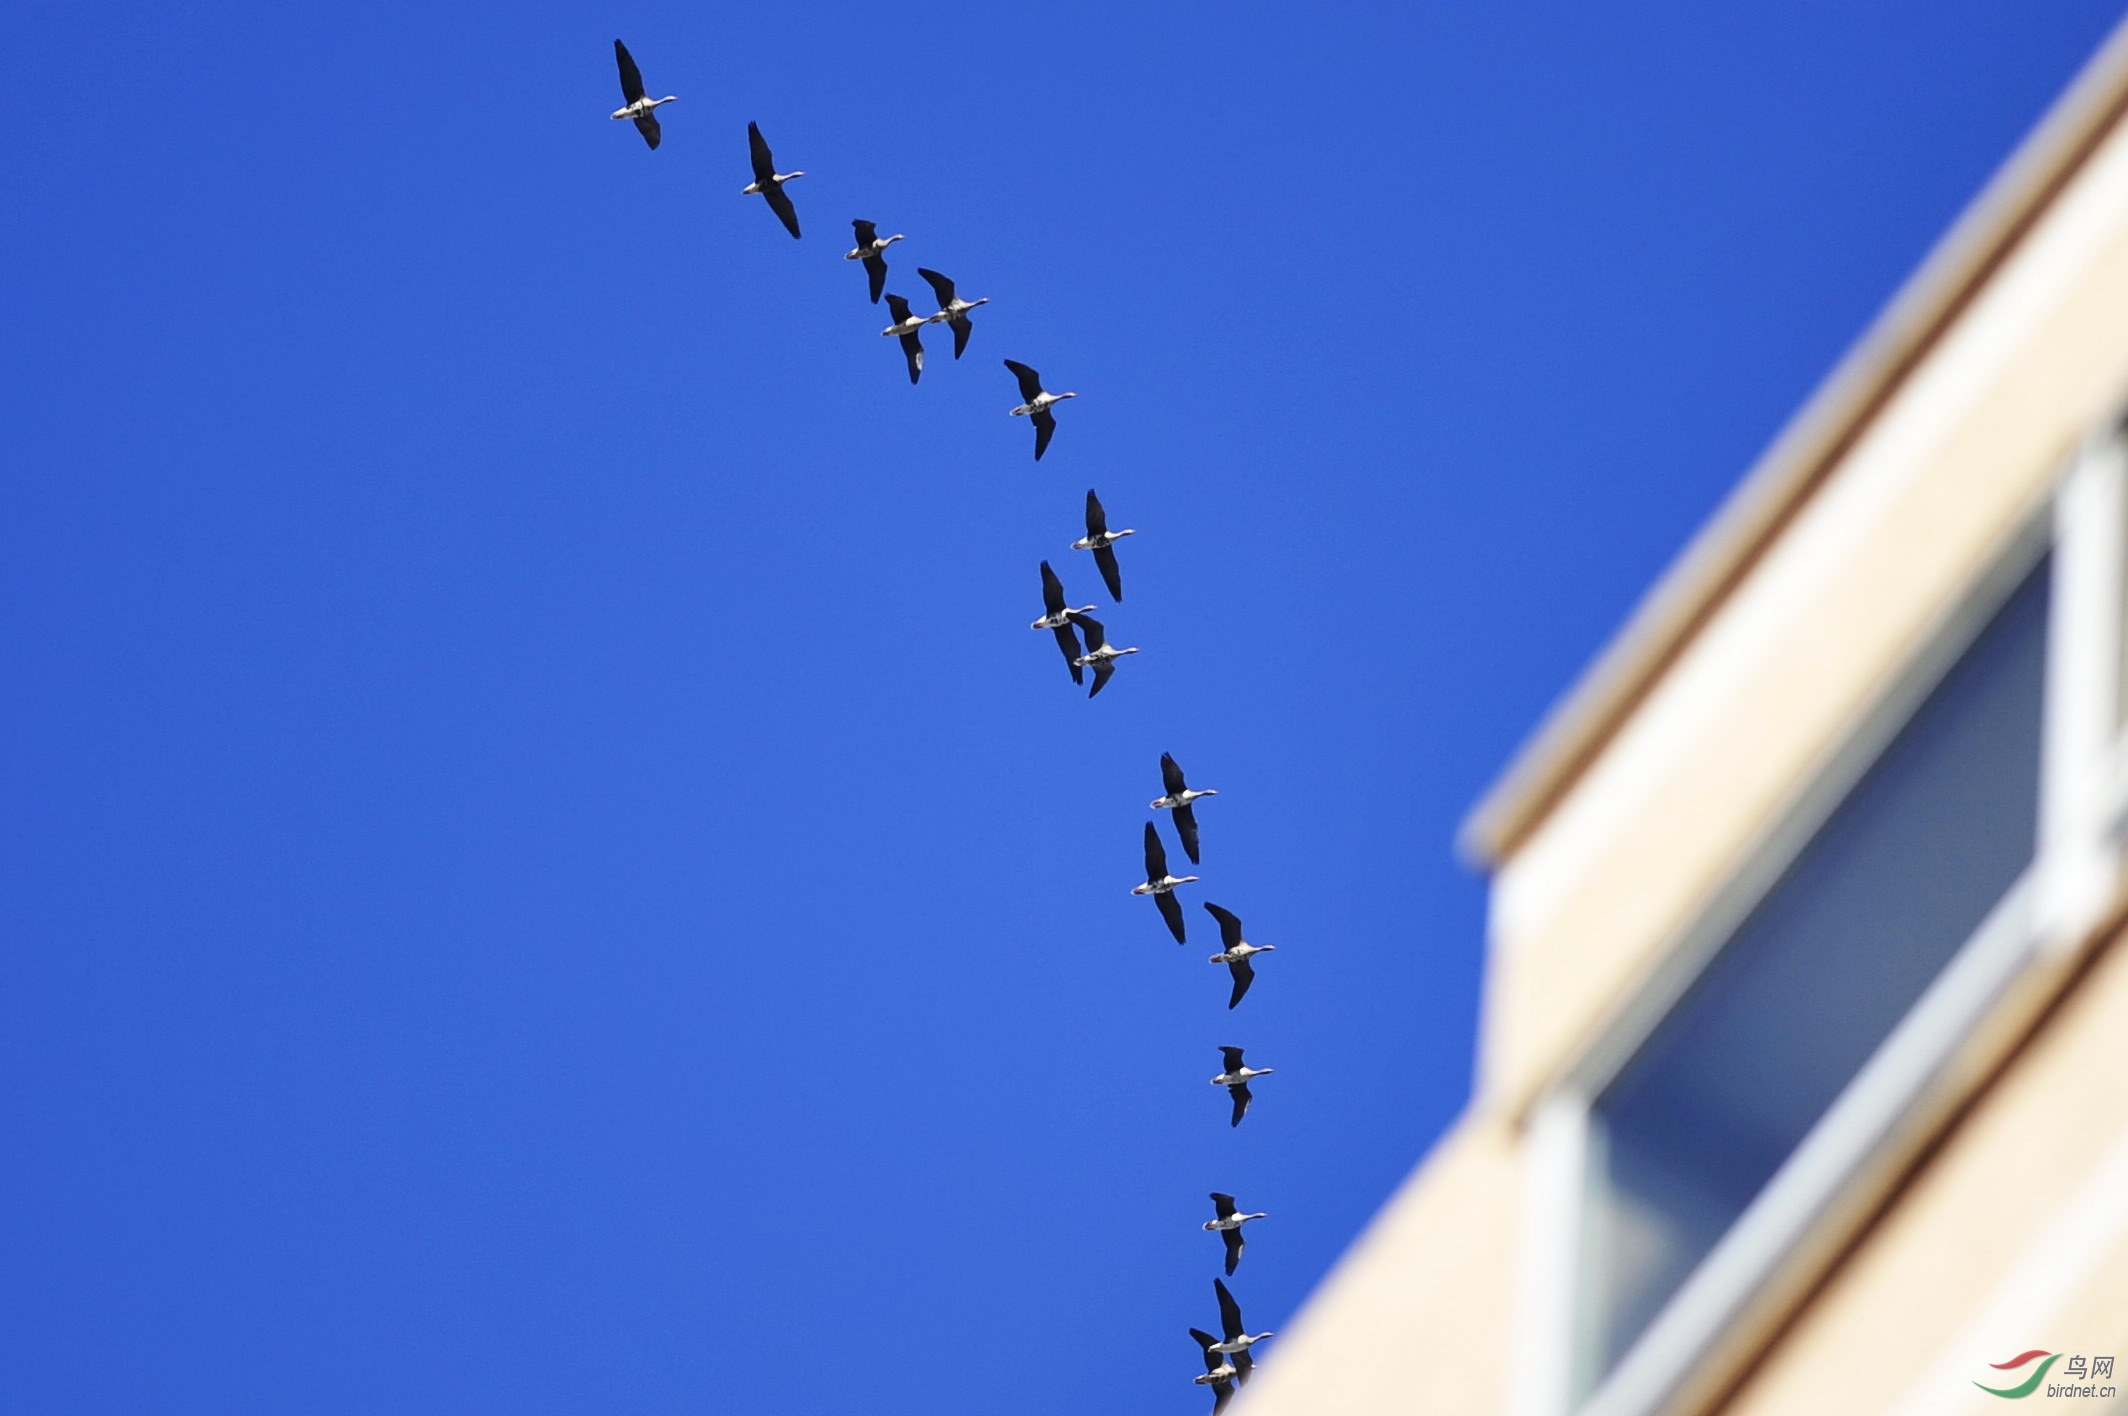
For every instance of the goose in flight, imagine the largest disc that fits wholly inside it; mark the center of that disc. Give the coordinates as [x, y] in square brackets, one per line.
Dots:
[1058, 616]
[910, 327]
[1234, 951]
[952, 309]
[1102, 542]
[1237, 1341]
[769, 182]
[1036, 406]
[1219, 1372]
[1161, 885]
[639, 106]
[872, 250]
[1178, 799]
[1235, 1078]
[1100, 654]
[1227, 1224]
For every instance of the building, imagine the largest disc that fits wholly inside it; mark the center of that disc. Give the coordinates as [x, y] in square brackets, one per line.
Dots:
[1803, 1075]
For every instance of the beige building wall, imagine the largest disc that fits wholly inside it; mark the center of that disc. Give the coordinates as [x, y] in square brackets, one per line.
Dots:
[2004, 1224]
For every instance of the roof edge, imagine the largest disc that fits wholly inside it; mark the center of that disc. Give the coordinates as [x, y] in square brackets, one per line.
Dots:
[1799, 460]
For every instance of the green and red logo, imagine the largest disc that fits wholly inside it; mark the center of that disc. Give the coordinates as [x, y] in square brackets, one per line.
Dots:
[2029, 1384]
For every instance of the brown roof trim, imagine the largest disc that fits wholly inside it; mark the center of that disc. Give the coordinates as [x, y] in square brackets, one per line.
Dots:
[1800, 459]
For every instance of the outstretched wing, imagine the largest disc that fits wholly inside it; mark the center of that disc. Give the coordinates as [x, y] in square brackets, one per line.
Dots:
[1234, 1243]
[1171, 774]
[1222, 1205]
[899, 308]
[1240, 1092]
[1233, 1057]
[1030, 381]
[1045, 428]
[631, 76]
[1096, 633]
[779, 202]
[1103, 672]
[1052, 591]
[1244, 975]
[1111, 573]
[647, 125]
[1186, 827]
[941, 286]
[912, 345]
[876, 270]
[1222, 1393]
[962, 328]
[1096, 516]
[1155, 855]
[1069, 643]
[1229, 924]
[1204, 1344]
[867, 233]
[1244, 1366]
[1171, 911]
[764, 161]
[1229, 1312]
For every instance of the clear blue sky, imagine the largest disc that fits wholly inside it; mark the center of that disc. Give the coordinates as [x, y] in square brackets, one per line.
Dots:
[543, 870]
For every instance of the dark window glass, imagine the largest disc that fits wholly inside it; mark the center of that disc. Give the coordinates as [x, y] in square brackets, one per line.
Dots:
[1793, 1004]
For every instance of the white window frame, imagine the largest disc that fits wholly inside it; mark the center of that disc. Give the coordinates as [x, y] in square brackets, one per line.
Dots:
[2051, 908]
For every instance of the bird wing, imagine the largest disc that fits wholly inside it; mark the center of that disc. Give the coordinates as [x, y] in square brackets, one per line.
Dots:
[1052, 591]
[764, 161]
[1069, 643]
[1171, 911]
[1204, 1344]
[1103, 672]
[1229, 924]
[1186, 827]
[1030, 381]
[1096, 633]
[912, 345]
[876, 270]
[1096, 516]
[1234, 1243]
[1222, 1393]
[899, 308]
[1244, 1366]
[942, 286]
[1229, 1312]
[867, 233]
[1171, 774]
[647, 125]
[631, 76]
[1045, 428]
[1233, 1056]
[1155, 855]
[779, 201]
[1111, 573]
[962, 327]
[1240, 1092]
[1244, 974]
[1222, 1205]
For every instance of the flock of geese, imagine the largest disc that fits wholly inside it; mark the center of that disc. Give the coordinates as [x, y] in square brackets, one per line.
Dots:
[1084, 642]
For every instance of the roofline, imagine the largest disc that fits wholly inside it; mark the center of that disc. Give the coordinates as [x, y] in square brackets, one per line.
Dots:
[1801, 458]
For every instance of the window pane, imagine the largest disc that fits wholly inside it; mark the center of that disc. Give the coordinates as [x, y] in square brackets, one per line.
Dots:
[1874, 907]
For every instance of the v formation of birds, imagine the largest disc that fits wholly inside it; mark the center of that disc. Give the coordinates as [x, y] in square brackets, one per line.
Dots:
[1085, 645]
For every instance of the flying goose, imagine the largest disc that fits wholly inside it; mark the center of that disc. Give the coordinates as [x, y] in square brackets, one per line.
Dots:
[952, 309]
[872, 250]
[1228, 1226]
[1235, 1078]
[1234, 951]
[1101, 654]
[1178, 796]
[1101, 541]
[769, 182]
[640, 106]
[1219, 1372]
[1037, 405]
[1158, 883]
[910, 327]
[1237, 1340]
[1058, 616]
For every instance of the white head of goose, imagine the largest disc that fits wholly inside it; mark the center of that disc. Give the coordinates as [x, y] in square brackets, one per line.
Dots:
[1235, 951]
[638, 104]
[952, 309]
[1235, 1078]
[1226, 1223]
[1178, 799]
[768, 182]
[1100, 655]
[1237, 1339]
[910, 328]
[1101, 541]
[1219, 1372]
[872, 250]
[1161, 885]
[1036, 405]
[1059, 617]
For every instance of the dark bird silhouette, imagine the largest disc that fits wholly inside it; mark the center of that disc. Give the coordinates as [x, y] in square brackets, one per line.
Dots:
[872, 250]
[1227, 1223]
[769, 182]
[952, 310]
[910, 328]
[1235, 1078]
[638, 104]
[1236, 951]
[1219, 1371]
[1237, 1342]
[1100, 654]
[1036, 405]
[1161, 885]
[1102, 542]
[1179, 798]
[1058, 616]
